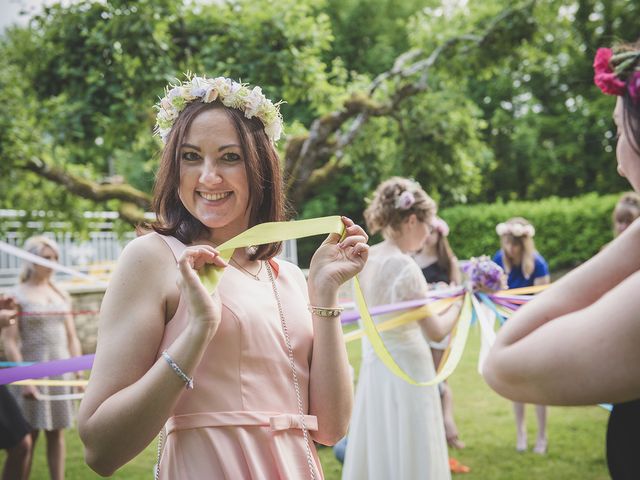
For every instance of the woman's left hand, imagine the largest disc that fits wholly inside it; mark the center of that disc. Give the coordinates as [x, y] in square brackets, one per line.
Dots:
[337, 261]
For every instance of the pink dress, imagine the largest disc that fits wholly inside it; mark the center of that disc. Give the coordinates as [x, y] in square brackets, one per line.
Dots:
[241, 419]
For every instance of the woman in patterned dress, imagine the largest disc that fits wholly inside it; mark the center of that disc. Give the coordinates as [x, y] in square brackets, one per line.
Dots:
[45, 331]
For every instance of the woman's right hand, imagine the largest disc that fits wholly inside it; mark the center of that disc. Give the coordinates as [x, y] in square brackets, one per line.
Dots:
[205, 309]
[30, 392]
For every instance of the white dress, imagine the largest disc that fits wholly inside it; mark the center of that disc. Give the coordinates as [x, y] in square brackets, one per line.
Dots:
[396, 431]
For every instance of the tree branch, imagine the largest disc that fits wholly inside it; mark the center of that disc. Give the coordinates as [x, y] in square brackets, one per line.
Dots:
[308, 158]
[87, 188]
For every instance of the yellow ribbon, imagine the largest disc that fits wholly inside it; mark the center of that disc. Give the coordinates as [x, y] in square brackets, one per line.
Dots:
[52, 383]
[279, 231]
[407, 317]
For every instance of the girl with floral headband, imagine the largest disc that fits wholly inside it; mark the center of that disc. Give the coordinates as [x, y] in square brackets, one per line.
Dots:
[397, 429]
[577, 342]
[241, 382]
[440, 267]
[524, 267]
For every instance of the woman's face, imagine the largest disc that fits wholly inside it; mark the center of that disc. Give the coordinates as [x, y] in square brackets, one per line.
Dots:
[47, 253]
[416, 233]
[620, 226]
[513, 251]
[628, 158]
[213, 177]
[432, 237]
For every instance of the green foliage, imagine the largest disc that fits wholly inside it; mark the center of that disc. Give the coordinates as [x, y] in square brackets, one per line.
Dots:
[370, 34]
[79, 83]
[517, 118]
[549, 127]
[568, 231]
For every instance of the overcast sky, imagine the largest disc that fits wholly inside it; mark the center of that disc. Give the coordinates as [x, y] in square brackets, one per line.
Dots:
[10, 10]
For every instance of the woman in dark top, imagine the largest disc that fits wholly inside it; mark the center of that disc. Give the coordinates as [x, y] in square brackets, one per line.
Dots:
[440, 268]
[577, 342]
[15, 432]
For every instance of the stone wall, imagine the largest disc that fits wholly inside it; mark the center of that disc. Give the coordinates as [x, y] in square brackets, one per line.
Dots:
[84, 298]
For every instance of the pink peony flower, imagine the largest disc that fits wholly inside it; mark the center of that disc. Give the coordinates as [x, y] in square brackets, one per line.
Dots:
[441, 226]
[604, 77]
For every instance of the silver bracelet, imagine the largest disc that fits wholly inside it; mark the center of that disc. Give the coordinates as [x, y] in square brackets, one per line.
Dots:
[326, 312]
[188, 381]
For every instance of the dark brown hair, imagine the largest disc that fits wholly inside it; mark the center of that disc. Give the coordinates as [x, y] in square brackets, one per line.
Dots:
[266, 197]
[631, 107]
[445, 254]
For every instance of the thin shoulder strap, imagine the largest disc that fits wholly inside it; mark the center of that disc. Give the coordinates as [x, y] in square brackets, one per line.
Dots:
[176, 246]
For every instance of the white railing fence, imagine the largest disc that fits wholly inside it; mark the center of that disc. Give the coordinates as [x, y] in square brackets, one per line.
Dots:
[95, 256]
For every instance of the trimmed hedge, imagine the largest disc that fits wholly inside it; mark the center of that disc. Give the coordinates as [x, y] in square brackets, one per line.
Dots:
[569, 231]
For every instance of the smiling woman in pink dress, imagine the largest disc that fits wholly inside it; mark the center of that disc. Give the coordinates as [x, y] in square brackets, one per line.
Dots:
[263, 358]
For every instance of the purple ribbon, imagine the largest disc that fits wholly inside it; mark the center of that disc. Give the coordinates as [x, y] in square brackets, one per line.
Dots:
[46, 369]
[353, 315]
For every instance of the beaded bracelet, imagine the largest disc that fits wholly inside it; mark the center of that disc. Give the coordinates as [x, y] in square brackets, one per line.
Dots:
[326, 312]
[188, 381]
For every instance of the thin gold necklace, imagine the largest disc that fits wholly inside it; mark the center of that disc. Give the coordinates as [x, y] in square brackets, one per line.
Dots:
[254, 275]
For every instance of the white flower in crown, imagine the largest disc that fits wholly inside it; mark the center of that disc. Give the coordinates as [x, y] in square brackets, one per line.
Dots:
[211, 94]
[274, 130]
[515, 229]
[232, 94]
[236, 96]
[502, 229]
[253, 102]
[405, 200]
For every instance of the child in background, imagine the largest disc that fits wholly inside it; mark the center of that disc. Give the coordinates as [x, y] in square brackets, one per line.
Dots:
[525, 267]
[625, 212]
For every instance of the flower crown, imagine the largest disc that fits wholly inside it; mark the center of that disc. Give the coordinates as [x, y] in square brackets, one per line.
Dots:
[617, 72]
[405, 200]
[515, 229]
[440, 226]
[232, 94]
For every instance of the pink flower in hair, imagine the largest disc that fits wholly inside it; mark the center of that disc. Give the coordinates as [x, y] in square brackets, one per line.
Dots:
[634, 86]
[604, 77]
[405, 200]
[440, 226]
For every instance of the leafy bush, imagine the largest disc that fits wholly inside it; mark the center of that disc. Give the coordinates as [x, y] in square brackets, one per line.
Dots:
[568, 230]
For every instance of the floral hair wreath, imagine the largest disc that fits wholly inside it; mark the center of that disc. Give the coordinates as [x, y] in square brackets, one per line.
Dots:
[405, 200]
[617, 72]
[515, 229]
[440, 226]
[232, 94]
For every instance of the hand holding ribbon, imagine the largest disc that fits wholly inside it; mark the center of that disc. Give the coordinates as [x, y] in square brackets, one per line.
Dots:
[337, 260]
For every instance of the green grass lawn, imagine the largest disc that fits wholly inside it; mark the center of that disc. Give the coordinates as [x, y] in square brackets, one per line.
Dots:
[576, 437]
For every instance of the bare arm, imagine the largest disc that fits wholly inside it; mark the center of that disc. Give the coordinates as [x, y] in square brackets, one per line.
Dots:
[131, 394]
[455, 277]
[73, 342]
[438, 326]
[577, 343]
[12, 348]
[11, 342]
[330, 385]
